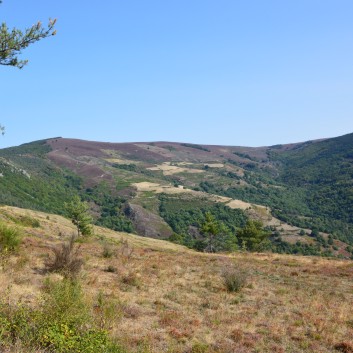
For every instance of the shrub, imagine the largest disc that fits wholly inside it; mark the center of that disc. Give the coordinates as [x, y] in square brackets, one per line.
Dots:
[63, 323]
[234, 279]
[66, 260]
[111, 269]
[9, 238]
[108, 251]
[107, 310]
[131, 279]
[69, 325]
[126, 251]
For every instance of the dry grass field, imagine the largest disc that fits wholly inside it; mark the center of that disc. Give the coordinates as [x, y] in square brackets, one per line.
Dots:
[166, 298]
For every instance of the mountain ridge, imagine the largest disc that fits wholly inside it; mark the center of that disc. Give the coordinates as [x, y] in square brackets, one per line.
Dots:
[284, 180]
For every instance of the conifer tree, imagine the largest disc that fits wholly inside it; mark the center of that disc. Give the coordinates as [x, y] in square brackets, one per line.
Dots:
[252, 236]
[218, 237]
[13, 41]
[77, 211]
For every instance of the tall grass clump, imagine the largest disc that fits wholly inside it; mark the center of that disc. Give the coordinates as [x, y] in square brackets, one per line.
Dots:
[9, 238]
[234, 278]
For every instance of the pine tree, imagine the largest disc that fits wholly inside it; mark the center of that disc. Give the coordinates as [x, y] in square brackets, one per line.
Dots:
[210, 228]
[218, 237]
[77, 211]
[252, 236]
[13, 41]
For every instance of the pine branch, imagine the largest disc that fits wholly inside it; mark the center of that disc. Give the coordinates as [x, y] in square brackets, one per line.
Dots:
[12, 42]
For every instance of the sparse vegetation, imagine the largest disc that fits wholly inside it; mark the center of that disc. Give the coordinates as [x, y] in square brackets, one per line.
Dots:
[164, 297]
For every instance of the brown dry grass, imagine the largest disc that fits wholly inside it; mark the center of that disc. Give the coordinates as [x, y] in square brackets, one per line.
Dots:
[170, 299]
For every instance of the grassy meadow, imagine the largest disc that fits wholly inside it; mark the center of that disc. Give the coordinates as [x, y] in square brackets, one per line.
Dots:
[135, 294]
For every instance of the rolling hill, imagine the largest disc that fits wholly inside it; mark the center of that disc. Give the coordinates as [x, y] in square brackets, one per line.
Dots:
[302, 192]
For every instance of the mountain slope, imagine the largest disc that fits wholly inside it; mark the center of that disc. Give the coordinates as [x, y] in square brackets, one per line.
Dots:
[296, 190]
[155, 296]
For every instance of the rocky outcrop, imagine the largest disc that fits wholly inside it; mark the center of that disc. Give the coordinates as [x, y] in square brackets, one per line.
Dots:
[147, 223]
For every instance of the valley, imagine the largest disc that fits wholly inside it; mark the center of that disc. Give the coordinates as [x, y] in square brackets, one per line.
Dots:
[302, 193]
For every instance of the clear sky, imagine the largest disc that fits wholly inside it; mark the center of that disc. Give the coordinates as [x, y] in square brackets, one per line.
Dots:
[232, 72]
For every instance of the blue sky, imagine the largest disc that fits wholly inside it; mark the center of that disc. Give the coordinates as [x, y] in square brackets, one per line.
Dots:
[214, 72]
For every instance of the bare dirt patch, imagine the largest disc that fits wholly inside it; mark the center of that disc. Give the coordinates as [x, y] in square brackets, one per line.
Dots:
[238, 204]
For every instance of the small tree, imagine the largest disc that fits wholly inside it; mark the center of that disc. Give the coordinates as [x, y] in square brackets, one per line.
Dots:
[210, 228]
[314, 233]
[77, 211]
[218, 237]
[252, 236]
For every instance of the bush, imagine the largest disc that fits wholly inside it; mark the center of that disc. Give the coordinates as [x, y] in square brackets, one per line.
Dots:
[9, 238]
[108, 251]
[63, 323]
[66, 260]
[234, 279]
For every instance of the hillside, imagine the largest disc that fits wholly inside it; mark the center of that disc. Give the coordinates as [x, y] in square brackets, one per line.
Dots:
[302, 192]
[155, 296]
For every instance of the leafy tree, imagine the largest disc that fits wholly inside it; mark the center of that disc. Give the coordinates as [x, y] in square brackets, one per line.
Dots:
[314, 233]
[252, 236]
[77, 211]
